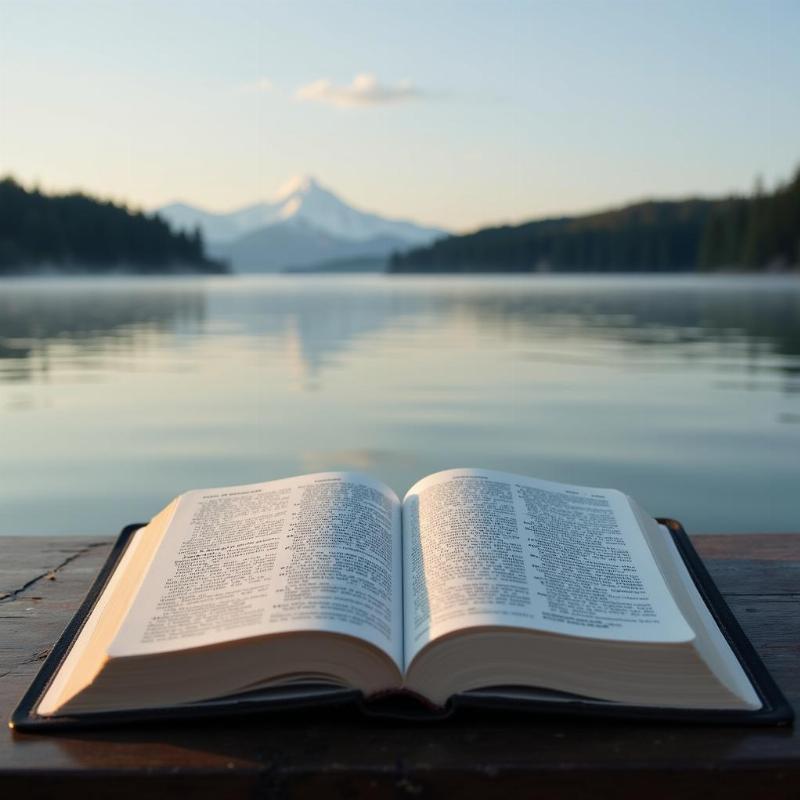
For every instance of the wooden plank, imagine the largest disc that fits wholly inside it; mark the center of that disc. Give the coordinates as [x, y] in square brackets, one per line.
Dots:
[750, 576]
[338, 754]
[758, 546]
[39, 598]
[27, 559]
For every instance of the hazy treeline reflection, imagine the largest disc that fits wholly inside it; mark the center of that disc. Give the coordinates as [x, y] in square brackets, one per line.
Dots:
[766, 321]
[329, 317]
[89, 317]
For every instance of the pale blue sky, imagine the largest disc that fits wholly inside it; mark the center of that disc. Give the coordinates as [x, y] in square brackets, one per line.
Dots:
[477, 112]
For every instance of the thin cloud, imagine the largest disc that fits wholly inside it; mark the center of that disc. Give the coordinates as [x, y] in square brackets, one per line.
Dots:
[365, 90]
[260, 86]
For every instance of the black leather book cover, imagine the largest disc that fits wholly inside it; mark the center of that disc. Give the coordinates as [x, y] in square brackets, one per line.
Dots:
[775, 710]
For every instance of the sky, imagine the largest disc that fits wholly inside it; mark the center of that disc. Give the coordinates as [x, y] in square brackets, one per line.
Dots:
[455, 113]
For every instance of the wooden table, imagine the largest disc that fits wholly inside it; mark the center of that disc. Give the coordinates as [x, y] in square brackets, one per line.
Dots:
[334, 755]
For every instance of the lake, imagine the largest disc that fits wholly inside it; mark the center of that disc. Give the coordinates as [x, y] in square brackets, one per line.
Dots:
[117, 394]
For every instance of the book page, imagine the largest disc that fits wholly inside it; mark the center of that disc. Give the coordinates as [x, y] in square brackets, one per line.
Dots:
[489, 548]
[318, 552]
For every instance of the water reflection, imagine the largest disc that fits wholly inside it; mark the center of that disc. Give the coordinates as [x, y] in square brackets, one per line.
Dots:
[87, 320]
[748, 319]
[116, 394]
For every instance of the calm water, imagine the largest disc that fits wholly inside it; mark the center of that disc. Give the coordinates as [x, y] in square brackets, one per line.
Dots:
[116, 395]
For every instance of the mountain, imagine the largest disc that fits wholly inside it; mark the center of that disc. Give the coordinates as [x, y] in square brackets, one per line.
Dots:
[297, 243]
[303, 224]
[735, 233]
[645, 237]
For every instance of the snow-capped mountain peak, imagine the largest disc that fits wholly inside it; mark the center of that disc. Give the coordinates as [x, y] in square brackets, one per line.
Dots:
[299, 184]
[305, 207]
[300, 198]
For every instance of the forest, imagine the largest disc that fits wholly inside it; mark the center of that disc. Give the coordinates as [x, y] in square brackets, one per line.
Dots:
[74, 233]
[756, 233]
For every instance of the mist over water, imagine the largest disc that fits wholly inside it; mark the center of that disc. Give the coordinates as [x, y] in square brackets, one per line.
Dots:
[117, 394]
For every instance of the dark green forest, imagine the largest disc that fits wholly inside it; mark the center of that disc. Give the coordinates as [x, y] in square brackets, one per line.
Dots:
[760, 232]
[76, 233]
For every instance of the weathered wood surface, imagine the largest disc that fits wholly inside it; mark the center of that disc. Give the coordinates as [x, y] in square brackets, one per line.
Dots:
[330, 755]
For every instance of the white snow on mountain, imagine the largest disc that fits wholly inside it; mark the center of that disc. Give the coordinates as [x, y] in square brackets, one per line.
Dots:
[304, 200]
[303, 225]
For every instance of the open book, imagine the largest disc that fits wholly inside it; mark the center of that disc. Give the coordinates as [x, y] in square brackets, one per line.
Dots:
[479, 585]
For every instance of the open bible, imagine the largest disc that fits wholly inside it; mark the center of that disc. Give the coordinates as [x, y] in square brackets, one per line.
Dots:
[479, 588]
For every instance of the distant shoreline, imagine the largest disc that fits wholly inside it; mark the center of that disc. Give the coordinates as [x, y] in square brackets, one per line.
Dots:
[645, 276]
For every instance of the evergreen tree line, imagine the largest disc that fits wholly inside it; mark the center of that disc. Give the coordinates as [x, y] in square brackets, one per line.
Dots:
[76, 233]
[739, 233]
